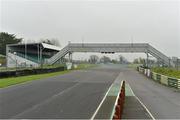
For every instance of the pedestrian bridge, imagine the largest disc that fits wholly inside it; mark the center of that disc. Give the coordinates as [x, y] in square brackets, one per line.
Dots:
[111, 48]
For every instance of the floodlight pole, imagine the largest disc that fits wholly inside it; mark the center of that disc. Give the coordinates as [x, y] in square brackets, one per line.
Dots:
[177, 65]
[41, 49]
[7, 56]
[25, 53]
[38, 52]
[70, 57]
[15, 60]
[169, 62]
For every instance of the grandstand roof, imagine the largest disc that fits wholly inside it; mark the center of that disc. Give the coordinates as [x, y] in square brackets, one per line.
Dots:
[44, 45]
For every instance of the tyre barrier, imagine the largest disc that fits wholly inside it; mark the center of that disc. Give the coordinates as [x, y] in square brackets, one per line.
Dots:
[120, 103]
[162, 79]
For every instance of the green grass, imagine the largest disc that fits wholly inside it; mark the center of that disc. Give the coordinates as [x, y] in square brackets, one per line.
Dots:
[167, 71]
[84, 66]
[17, 80]
[133, 65]
[54, 66]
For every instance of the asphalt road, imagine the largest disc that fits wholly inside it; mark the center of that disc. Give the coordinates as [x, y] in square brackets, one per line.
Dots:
[76, 95]
[163, 102]
[71, 96]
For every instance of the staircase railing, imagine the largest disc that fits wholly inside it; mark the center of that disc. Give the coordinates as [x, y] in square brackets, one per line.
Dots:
[58, 55]
[160, 55]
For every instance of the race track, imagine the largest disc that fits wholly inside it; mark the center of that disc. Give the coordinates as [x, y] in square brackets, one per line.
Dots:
[76, 95]
[73, 95]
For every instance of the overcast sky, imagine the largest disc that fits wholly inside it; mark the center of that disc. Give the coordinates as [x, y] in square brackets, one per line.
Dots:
[97, 21]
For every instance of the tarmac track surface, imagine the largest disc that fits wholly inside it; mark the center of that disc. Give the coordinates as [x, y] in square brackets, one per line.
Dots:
[76, 95]
[71, 96]
[163, 102]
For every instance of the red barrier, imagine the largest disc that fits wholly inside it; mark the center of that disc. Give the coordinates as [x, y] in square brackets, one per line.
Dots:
[120, 103]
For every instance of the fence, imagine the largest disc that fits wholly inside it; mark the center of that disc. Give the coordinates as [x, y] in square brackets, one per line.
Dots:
[165, 80]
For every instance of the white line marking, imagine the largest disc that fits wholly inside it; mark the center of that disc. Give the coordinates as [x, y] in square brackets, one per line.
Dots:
[103, 99]
[46, 101]
[116, 102]
[101, 103]
[142, 104]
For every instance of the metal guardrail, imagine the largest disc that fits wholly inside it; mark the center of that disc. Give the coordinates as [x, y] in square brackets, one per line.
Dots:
[172, 82]
[163, 79]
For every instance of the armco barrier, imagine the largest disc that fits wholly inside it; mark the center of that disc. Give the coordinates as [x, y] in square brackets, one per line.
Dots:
[120, 102]
[165, 80]
[173, 82]
[154, 76]
[158, 77]
[141, 69]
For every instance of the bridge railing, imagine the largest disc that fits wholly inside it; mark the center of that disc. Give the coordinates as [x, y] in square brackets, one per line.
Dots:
[110, 47]
[90, 47]
[108, 44]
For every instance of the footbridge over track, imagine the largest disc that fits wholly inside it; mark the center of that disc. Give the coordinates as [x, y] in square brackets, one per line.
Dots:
[111, 48]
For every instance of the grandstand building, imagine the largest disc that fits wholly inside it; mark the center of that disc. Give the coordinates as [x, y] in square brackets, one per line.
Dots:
[29, 55]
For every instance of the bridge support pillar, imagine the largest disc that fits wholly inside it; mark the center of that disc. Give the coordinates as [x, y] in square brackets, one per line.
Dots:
[158, 62]
[169, 62]
[70, 57]
[147, 60]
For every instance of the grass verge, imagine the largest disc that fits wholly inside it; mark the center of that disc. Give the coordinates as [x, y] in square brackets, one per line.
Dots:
[16, 80]
[133, 65]
[167, 71]
[85, 66]
[5, 82]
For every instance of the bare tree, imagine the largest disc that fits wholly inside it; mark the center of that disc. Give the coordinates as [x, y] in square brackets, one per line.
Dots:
[105, 59]
[93, 59]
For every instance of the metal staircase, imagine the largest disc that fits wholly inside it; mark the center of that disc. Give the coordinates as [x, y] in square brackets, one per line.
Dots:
[58, 55]
[160, 56]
